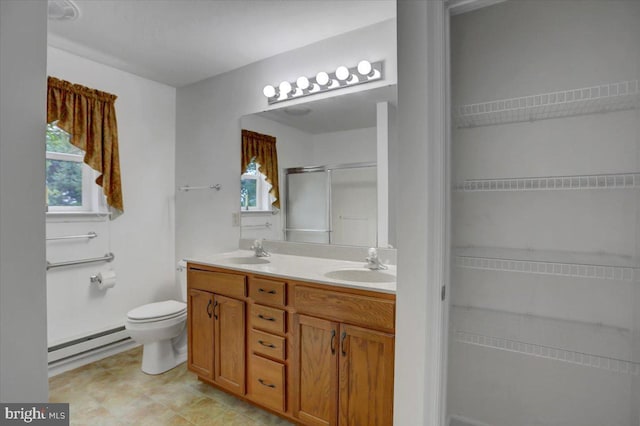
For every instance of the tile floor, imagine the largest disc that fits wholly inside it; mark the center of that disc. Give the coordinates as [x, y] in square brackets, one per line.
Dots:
[114, 391]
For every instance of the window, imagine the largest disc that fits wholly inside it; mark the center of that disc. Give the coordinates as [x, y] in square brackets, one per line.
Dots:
[70, 186]
[254, 190]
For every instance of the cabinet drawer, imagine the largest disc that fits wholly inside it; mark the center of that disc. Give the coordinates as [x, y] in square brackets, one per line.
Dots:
[351, 308]
[269, 292]
[233, 285]
[268, 319]
[266, 383]
[267, 344]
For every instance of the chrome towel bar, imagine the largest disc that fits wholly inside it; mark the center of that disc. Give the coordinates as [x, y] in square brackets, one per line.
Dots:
[106, 258]
[89, 235]
[261, 225]
[187, 188]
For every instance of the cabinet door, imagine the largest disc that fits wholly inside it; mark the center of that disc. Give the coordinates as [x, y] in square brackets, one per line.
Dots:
[229, 321]
[316, 381]
[200, 332]
[366, 377]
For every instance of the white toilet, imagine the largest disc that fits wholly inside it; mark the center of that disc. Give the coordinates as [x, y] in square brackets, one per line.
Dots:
[161, 328]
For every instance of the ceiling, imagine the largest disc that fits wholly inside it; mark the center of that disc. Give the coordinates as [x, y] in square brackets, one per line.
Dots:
[178, 42]
[356, 110]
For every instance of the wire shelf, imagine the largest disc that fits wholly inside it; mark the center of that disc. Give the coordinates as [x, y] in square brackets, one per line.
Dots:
[589, 100]
[615, 268]
[547, 352]
[545, 183]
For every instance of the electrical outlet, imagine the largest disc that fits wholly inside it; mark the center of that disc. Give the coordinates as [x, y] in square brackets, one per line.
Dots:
[235, 218]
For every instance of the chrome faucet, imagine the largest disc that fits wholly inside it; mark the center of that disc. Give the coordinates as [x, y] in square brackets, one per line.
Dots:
[258, 249]
[373, 262]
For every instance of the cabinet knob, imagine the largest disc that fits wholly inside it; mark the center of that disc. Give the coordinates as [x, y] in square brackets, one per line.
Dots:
[262, 290]
[209, 312]
[214, 310]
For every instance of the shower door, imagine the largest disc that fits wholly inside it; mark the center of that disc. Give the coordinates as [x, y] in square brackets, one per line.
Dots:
[544, 318]
[307, 206]
[354, 206]
[332, 204]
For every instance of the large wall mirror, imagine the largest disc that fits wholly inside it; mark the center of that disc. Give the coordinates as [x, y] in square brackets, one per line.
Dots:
[333, 161]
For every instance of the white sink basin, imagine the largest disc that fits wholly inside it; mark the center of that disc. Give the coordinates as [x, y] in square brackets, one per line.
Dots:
[361, 276]
[246, 260]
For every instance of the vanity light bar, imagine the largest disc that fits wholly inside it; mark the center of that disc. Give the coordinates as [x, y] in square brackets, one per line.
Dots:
[364, 72]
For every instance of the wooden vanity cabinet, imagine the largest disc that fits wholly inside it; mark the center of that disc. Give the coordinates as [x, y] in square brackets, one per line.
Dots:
[316, 351]
[315, 354]
[349, 363]
[365, 377]
[267, 361]
[216, 327]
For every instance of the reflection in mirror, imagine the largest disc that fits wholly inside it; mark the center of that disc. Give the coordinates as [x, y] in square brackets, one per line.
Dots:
[330, 187]
[332, 204]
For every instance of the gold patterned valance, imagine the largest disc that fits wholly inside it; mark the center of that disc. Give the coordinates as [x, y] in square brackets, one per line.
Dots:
[89, 116]
[262, 149]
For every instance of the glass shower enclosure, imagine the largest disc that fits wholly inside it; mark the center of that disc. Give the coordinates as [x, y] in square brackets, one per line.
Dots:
[331, 204]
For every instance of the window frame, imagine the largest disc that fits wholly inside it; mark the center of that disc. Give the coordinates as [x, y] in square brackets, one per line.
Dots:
[263, 198]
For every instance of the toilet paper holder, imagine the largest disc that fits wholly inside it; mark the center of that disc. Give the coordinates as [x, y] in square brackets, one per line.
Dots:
[103, 282]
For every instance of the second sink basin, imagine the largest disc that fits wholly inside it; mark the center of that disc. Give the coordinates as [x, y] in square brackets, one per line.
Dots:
[361, 275]
[246, 260]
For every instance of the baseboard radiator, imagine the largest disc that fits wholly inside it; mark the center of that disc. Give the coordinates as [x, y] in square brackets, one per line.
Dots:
[85, 345]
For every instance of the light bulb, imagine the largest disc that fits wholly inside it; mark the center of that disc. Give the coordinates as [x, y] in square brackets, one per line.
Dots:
[269, 91]
[302, 83]
[322, 78]
[364, 67]
[285, 87]
[342, 73]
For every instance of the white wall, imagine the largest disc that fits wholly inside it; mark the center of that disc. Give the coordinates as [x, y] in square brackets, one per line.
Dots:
[349, 146]
[421, 188]
[143, 238]
[208, 129]
[23, 340]
[533, 48]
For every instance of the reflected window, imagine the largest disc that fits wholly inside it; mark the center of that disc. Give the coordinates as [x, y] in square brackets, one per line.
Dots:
[254, 190]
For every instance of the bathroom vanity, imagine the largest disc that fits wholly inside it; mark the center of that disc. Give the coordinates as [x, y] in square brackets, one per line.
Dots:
[283, 335]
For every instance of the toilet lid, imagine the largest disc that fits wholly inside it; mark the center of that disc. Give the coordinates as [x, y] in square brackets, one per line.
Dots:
[157, 310]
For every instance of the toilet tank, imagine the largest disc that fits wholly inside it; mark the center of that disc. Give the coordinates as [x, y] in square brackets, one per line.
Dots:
[182, 279]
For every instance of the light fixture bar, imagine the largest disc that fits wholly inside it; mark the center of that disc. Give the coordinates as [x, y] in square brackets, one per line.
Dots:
[364, 72]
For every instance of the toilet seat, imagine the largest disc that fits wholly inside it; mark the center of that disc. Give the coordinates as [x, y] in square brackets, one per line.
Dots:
[159, 311]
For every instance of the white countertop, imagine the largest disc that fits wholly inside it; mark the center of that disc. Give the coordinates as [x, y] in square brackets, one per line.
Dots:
[302, 268]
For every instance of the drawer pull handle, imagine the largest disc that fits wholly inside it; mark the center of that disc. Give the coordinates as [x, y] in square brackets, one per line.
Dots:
[269, 385]
[209, 312]
[266, 318]
[214, 310]
[262, 290]
[268, 345]
[344, 337]
[333, 339]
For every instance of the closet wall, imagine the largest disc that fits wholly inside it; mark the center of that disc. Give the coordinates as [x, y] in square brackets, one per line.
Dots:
[545, 303]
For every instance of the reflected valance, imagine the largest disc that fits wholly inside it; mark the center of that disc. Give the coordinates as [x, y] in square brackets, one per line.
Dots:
[262, 149]
[89, 116]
